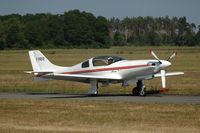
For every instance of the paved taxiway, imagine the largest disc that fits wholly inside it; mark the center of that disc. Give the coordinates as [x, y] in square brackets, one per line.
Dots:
[153, 98]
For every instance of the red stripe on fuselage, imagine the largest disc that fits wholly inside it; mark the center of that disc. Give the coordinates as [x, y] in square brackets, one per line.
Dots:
[104, 69]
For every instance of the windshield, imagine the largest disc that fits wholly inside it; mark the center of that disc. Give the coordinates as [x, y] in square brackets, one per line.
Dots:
[105, 60]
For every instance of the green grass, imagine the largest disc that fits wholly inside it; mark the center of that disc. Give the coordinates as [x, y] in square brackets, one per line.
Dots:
[14, 62]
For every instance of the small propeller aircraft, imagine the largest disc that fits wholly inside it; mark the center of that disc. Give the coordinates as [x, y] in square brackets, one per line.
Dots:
[105, 70]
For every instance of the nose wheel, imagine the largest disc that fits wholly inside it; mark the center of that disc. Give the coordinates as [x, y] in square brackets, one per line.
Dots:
[140, 89]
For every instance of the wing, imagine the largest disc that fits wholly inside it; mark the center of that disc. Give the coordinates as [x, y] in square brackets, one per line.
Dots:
[44, 75]
[169, 74]
[81, 76]
[158, 75]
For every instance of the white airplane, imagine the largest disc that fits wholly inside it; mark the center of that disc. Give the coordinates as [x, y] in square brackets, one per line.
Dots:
[105, 70]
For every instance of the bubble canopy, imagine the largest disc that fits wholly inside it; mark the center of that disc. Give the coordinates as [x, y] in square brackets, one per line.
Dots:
[105, 60]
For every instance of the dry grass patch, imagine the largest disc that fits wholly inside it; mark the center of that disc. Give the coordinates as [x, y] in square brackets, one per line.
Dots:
[77, 116]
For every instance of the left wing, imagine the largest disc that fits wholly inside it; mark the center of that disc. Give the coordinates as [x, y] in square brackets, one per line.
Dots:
[81, 76]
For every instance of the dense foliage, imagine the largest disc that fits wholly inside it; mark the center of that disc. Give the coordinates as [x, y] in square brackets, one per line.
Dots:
[71, 30]
[154, 31]
[75, 29]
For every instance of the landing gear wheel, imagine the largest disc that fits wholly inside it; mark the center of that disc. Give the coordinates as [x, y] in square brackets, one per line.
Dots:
[140, 89]
[97, 91]
[135, 91]
[94, 88]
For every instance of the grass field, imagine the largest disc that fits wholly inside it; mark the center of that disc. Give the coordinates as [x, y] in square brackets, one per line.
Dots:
[14, 62]
[92, 116]
[76, 116]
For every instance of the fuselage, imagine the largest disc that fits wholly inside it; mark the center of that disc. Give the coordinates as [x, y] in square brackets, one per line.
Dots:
[126, 69]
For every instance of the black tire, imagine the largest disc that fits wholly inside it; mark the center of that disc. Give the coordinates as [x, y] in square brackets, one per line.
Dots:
[93, 95]
[135, 91]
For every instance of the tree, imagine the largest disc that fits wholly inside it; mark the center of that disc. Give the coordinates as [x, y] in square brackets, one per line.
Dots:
[14, 34]
[197, 36]
[2, 36]
[102, 32]
[153, 38]
[76, 29]
[154, 31]
[2, 44]
[119, 39]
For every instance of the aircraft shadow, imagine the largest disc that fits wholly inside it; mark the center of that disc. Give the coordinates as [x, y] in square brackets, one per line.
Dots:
[78, 96]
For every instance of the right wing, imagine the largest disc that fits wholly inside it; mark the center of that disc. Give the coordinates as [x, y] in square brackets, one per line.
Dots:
[169, 74]
[158, 75]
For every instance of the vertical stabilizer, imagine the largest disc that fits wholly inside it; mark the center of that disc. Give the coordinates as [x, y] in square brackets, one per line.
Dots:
[40, 63]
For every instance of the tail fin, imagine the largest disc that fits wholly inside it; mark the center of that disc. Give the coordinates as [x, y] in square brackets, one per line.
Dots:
[40, 63]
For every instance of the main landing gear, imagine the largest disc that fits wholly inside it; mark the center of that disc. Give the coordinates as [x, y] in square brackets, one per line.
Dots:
[94, 87]
[140, 89]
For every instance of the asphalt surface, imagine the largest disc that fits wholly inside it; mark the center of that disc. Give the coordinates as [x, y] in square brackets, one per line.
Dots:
[151, 98]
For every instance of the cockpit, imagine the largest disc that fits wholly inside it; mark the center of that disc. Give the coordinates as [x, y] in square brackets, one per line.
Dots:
[105, 60]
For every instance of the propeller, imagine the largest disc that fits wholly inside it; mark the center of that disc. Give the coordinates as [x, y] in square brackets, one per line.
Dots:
[154, 55]
[172, 56]
[162, 72]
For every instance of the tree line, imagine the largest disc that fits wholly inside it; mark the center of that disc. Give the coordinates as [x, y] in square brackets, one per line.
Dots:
[75, 29]
[154, 31]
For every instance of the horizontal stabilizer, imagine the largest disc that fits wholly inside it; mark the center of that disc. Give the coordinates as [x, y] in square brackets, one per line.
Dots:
[44, 72]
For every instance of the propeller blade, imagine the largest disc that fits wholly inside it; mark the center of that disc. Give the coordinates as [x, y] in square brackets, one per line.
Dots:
[172, 56]
[163, 80]
[154, 55]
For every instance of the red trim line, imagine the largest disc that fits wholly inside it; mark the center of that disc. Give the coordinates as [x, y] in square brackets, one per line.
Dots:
[104, 69]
